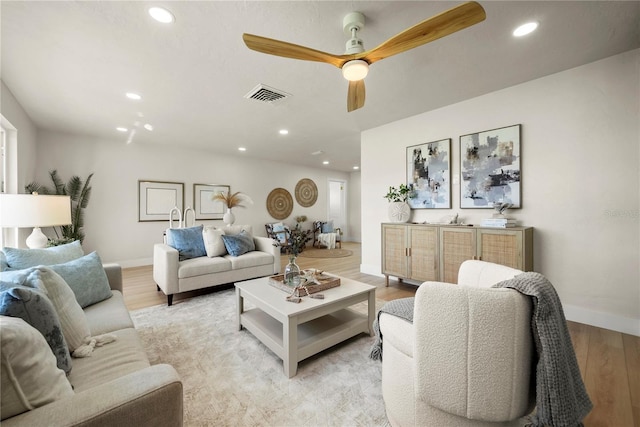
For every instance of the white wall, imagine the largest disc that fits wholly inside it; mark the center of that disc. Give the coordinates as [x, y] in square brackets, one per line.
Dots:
[21, 148]
[111, 223]
[580, 180]
[355, 203]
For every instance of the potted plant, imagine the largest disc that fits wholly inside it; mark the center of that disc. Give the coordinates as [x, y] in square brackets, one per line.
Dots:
[231, 201]
[79, 192]
[399, 210]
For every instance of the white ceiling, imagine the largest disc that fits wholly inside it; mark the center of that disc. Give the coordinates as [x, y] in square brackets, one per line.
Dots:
[70, 63]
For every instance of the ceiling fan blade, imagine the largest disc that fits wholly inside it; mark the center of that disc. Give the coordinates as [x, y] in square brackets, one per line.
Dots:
[443, 24]
[290, 50]
[356, 95]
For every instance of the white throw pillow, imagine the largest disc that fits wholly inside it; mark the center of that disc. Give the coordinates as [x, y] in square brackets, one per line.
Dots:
[72, 319]
[213, 243]
[29, 375]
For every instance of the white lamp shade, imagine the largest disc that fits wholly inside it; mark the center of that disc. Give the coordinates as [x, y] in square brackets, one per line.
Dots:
[355, 70]
[28, 210]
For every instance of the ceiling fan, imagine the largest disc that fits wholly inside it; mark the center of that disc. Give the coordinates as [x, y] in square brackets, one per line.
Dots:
[355, 62]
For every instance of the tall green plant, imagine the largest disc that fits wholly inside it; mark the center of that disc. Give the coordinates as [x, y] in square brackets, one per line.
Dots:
[79, 191]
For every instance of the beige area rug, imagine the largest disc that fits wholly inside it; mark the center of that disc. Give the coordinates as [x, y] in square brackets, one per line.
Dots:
[326, 253]
[231, 379]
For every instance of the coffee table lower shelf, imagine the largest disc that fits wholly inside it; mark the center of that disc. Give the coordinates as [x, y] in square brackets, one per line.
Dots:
[313, 336]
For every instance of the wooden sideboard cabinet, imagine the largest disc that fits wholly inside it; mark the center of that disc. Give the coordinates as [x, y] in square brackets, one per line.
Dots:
[410, 252]
[434, 252]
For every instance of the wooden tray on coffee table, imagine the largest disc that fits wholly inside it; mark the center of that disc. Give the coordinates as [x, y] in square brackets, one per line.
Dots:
[324, 282]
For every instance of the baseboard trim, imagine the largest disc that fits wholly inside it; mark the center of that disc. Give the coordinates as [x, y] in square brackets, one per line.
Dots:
[140, 262]
[602, 320]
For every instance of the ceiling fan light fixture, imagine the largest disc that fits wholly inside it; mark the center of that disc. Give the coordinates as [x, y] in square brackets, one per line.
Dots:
[355, 70]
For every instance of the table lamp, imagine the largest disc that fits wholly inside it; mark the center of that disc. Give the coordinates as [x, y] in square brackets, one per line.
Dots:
[34, 210]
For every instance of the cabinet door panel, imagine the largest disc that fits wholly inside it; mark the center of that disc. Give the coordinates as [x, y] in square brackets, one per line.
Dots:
[394, 255]
[456, 246]
[501, 247]
[423, 262]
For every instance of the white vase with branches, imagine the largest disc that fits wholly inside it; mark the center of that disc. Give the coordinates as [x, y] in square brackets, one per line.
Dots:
[236, 199]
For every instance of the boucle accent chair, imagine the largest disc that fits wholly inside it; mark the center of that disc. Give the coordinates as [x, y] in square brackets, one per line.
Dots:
[467, 359]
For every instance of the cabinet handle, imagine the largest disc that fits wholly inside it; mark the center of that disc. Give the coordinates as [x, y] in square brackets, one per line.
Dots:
[409, 251]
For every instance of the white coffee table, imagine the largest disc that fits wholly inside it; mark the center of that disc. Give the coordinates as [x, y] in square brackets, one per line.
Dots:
[296, 331]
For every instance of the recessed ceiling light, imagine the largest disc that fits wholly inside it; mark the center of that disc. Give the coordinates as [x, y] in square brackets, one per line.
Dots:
[525, 29]
[121, 129]
[356, 168]
[326, 162]
[161, 14]
[283, 132]
[242, 149]
[134, 96]
[148, 127]
[317, 153]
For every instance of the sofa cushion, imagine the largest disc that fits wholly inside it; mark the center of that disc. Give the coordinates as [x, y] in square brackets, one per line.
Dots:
[213, 243]
[108, 315]
[203, 265]
[187, 241]
[24, 258]
[72, 319]
[29, 375]
[37, 310]
[239, 244]
[237, 229]
[86, 278]
[119, 358]
[250, 259]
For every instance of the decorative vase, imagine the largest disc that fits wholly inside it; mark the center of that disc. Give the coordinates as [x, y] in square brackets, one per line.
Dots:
[292, 273]
[399, 212]
[229, 218]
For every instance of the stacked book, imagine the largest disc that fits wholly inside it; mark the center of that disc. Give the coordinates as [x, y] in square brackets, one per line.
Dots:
[499, 222]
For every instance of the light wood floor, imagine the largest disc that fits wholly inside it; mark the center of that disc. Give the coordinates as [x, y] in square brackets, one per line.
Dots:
[609, 361]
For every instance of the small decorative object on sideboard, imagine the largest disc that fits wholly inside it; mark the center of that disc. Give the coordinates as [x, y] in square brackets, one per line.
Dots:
[399, 210]
[499, 219]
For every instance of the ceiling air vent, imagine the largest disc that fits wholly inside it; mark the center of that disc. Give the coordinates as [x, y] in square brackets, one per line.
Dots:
[264, 93]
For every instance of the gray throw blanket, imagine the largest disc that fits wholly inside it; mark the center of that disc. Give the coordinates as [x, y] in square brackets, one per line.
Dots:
[402, 308]
[561, 398]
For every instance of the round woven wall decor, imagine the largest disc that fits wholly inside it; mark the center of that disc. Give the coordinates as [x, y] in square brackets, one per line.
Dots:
[306, 192]
[279, 203]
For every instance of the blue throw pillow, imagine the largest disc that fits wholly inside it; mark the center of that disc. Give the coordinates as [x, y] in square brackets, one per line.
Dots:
[86, 278]
[18, 259]
[3, 262]
[187, 241]
[238, 244]
[327, 227]
[37, 310]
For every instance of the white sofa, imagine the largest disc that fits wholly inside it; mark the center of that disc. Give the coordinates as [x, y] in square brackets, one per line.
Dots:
[467, 358]
[116, 386]
[174, 276]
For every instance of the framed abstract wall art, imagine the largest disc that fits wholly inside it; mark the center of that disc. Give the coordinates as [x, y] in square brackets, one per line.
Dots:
[204, 205]
[156, 199]
[429, 175]
[490, 168]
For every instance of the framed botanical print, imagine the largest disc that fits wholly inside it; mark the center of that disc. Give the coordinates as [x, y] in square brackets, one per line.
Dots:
[490, 168]
[429, 175]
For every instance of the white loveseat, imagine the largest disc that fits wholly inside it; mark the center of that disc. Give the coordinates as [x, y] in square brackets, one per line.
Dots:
[174, 276]
[467, 358]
